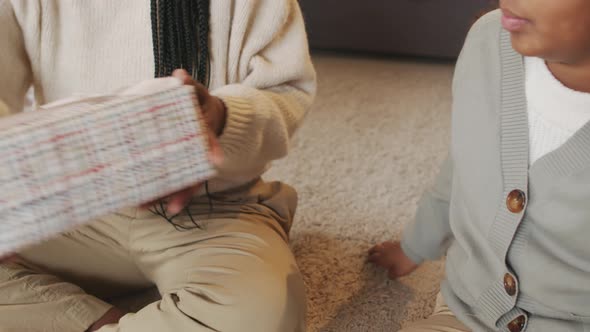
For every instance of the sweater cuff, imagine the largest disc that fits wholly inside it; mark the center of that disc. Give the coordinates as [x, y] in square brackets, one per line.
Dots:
[409, 251]
[238, 121]
[242, 125]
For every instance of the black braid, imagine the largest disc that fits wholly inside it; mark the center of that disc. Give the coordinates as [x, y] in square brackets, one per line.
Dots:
[180, 31]
[190, 23]
[155, 36]
[203, 39]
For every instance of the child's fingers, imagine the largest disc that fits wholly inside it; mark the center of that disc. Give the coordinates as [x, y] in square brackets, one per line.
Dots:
[379, 259]
[393, 274]
[376, 248]
[376, 258]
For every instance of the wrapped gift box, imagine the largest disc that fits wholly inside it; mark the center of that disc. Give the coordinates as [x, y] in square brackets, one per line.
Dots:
[70, 162]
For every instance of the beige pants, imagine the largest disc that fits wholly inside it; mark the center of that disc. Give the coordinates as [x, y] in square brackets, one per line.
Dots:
[235, 274]
[441, 320]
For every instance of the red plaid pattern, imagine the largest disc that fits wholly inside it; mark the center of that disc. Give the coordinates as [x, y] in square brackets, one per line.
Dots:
[68, 164]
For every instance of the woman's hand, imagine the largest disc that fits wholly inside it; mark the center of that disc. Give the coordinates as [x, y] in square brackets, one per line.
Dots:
[214, 113]
[8, 258]
[391, 256]
[212, 108]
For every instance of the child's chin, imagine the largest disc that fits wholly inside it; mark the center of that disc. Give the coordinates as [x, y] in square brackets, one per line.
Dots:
[526, 46]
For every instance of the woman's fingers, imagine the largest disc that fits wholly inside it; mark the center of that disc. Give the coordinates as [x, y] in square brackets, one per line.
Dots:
[215, 151]
[181, 199]
[8, 258]
[183, 75]
[201, 91]
[178, 201]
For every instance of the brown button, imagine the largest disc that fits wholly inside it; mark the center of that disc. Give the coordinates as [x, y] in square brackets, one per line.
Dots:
[517, 325]
[516, 201]
[510, 284]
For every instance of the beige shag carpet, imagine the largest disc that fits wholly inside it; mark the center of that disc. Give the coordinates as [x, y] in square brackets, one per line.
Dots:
[372, 144]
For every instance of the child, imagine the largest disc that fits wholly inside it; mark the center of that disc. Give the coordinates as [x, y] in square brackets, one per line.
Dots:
[232, 270]
[511, 207]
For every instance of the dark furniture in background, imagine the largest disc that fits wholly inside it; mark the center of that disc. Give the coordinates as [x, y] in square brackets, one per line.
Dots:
[433, 28]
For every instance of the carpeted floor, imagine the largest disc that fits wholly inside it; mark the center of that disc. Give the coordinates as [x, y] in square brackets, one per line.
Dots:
[372, 144]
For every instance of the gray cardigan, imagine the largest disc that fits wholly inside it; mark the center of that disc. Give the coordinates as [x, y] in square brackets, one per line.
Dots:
[517, 236]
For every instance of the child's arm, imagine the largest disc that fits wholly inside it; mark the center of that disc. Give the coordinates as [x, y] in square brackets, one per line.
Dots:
[15, 71]
[276, 88]
[428, 236]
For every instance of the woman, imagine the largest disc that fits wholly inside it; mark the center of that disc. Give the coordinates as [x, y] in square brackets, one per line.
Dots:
[217, 253]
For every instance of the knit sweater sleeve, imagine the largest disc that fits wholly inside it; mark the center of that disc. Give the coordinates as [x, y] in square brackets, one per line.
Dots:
[428, 237]
[430, 234]
[15, 69]
[276, 88]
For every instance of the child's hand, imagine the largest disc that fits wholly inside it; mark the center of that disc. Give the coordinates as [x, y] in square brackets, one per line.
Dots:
[390, 255]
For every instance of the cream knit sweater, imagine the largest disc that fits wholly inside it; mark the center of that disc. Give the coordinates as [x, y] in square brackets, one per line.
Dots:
[260, 65]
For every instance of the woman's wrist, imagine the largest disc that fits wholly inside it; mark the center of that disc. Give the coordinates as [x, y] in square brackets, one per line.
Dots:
[221, 117]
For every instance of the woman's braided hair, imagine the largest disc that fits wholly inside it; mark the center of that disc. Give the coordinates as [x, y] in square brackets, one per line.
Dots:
[180, 30]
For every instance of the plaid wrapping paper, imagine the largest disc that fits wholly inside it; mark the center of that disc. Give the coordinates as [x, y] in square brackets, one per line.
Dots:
[66, 165]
